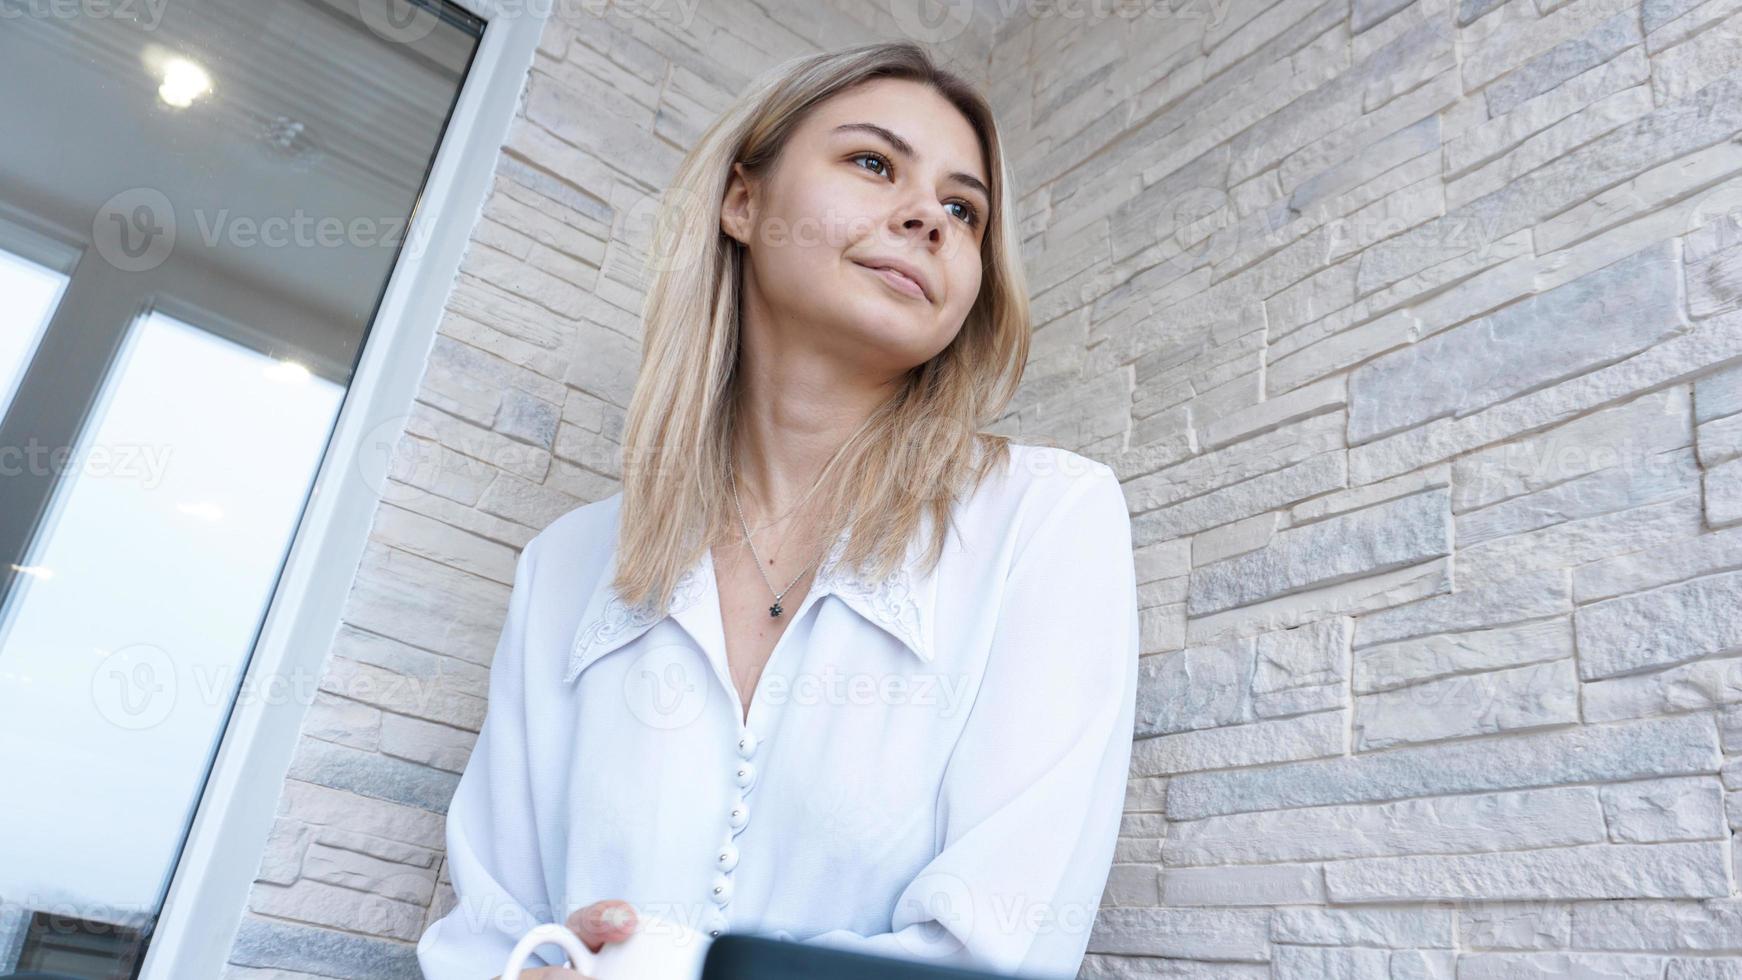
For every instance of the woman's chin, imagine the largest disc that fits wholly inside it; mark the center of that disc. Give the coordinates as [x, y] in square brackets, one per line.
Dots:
[897, 341]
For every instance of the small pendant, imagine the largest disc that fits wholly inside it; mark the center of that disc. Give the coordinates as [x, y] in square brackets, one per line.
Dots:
[774, 610]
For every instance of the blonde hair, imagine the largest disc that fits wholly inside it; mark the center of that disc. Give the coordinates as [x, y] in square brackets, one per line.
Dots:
[913, 456]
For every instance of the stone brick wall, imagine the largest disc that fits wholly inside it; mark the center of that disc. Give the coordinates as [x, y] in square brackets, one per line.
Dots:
[1413, 330]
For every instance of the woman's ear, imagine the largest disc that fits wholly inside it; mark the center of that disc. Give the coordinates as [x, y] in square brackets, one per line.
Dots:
[737, 207]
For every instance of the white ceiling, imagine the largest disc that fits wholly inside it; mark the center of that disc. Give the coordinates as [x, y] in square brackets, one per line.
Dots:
[311, 115]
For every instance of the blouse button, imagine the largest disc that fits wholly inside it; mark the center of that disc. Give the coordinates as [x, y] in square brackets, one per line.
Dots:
[747, 743]
[740, 815]
[714, 933]
[728, 856]
[722, 892]
[746, 773]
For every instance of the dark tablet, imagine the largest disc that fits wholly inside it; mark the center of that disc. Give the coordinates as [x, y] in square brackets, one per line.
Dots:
[746, 956]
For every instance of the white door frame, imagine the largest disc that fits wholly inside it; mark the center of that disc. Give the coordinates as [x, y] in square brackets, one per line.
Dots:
[218, 866]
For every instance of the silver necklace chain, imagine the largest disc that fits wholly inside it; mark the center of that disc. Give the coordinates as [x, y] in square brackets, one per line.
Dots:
[775, 609]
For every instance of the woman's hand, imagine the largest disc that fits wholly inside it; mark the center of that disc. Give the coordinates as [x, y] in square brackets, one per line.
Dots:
[610, 921]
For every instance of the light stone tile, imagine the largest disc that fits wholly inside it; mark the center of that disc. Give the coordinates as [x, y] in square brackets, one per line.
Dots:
[1554, 817]
[1697, 686]
[1515, 43]
[1519, 143]
[1210, 934]
[1408, 531]
[1356, 597]
[1423, 964]
[299, 948]
[1723, 489]
[1399, 927]
[1661, 925]
[1672, 746]
[1512, 601]
[1629, 306]
[1271, 884]
[1234, 539]
[1612, 437]
[1494, 966]
[1494, 136]
[1487, 703]
[316, 903]
[1719, 441]
[1423, 658]
[1588, 871]
[1515, 924]
[1255, 743]
[1707, 342]
[1633, 483]
[1653, 567]
[1661, 627]
[1350, 963]
[1655, 811]
[1552, 68]
[1579, 542]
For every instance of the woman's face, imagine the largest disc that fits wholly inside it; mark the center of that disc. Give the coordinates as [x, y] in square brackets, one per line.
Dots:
[886, 173]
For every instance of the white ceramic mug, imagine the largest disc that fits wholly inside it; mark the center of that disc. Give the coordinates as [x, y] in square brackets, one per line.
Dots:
[657, 950]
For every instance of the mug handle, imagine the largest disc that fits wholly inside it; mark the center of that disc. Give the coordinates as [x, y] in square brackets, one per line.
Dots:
[580, 957]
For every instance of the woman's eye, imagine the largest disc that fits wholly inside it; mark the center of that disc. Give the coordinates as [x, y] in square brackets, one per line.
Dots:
[969, 215]
[878, 158]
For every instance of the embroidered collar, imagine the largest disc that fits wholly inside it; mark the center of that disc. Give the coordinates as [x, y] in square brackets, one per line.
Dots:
[901, 604]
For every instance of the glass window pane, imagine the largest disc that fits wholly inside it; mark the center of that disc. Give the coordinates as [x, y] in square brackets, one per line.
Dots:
[31, 293]
[232, 183]
[172, 528]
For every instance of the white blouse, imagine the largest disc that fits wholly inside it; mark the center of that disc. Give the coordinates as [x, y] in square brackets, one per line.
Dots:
[933, 766]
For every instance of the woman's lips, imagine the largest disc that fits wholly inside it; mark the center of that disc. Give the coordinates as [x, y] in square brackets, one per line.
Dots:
[897, 281]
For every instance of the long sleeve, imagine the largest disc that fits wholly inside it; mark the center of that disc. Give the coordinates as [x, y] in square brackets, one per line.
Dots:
[1034, 790]
[492, 841]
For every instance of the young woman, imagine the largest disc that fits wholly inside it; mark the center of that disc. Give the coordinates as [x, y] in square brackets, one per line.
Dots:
[835, 665]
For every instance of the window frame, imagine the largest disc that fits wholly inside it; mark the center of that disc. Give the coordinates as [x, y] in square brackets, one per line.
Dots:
[220, 860]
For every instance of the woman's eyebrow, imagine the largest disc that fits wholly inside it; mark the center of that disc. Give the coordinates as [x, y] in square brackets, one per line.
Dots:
[905, 148]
